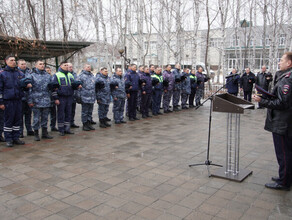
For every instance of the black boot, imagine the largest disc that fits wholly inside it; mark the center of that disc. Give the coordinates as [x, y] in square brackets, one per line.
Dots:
[90, 126]
[86, 127]
[36, 135]
[102, 124]
[107, 119]
[2, 138]
[106, 123]
[45, 134]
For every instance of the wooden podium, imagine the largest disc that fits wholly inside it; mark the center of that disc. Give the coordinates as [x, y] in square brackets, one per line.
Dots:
[234, 106]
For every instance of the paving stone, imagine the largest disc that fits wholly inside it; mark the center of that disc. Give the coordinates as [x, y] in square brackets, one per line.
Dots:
[133, 172]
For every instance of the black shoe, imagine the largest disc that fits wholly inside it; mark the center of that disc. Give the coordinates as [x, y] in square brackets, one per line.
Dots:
[93, 122]
[131, 119]
[166, 111]
[62, 133]
[69, 132]
[123, 122]
[54, 129]
[18, 142]
[154, 114]
[148, 116]
[159, 113]
[90, 126]
[21, 136]
[74, 126]
[30, 133]
[144, 116]
[45, 134]
[117, 122]
[191, 106]
[107, 119]
[275, 178]
[102, 124]
[2, 138]
[36, 135]
[277, 186]
[9, 144]
[135, 118]
[175, 109]
[169, 111]
[85, 127]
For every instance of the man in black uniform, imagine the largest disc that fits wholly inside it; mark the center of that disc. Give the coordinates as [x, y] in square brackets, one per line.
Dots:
[246, 83]
[263, 79]
[279, 122]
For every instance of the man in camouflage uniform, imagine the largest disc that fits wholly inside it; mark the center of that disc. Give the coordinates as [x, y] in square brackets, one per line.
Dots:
[87, 96]
[39, 99]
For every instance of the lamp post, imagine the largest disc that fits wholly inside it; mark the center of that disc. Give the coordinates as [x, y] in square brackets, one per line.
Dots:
[123, 53]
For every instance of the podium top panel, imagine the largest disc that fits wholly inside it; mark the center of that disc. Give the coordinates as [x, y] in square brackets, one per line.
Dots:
[230, 104]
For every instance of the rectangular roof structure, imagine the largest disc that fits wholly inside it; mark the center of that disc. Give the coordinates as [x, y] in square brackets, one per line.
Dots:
[32, 50]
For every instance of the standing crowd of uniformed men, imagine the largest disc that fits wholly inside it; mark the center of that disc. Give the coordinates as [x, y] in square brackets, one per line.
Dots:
[29, 96]
[25, 93]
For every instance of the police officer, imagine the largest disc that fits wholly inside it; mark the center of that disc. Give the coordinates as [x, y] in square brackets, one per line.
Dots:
[26, 110]
[39, 99]
[119, 95]
[177, 87]
[140, 73]
[146, 93]
[246, 83]
[263, 79]
[193, 81]
[53, 110]
[279, 122]
[133, 78]
[157, 82]
[103, 97]
[72, 122]
[64, 97]
[11, 85]
[168, 78]
[87, 96]
[185, 88]
[232, 81]
[201, 86]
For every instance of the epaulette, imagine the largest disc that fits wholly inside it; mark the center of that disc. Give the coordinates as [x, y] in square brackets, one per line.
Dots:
[288, 74]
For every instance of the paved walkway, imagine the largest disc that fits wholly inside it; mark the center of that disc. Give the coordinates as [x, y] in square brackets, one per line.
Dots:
[140, 171]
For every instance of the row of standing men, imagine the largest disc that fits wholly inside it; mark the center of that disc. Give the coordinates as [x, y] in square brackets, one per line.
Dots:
[25, 92]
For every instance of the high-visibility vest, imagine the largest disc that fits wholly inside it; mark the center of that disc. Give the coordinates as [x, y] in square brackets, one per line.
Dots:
[159, 77]
[60, 75]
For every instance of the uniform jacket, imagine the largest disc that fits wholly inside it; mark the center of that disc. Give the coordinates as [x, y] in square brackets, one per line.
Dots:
[75, 92]
[193, 79]
[39, 94]
[158, 86]
[176, 73]
[279, 114]
[148, 87]
[168, 76]
[200, 80]
[119, 92]
[232, 83]
[10, 88]
[186, 84]
[65, 88]
[27, 73]
[103, 95]
[133, 77]
[87, 92]
[244, 82]
[262, 81]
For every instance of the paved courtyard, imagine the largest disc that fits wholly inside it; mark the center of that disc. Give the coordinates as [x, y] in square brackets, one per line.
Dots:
[140, 171]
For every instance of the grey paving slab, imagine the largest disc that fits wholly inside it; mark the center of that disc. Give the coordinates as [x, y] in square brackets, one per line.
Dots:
[139, 170]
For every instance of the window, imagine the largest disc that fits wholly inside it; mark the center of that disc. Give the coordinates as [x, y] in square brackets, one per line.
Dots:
[282, 39]
[234, 41]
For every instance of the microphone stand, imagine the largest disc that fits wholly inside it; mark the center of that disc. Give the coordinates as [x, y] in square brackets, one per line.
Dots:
[207, 161]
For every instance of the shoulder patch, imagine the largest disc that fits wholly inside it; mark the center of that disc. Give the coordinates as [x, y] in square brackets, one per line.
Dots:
[288, 75]
[286, 89]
